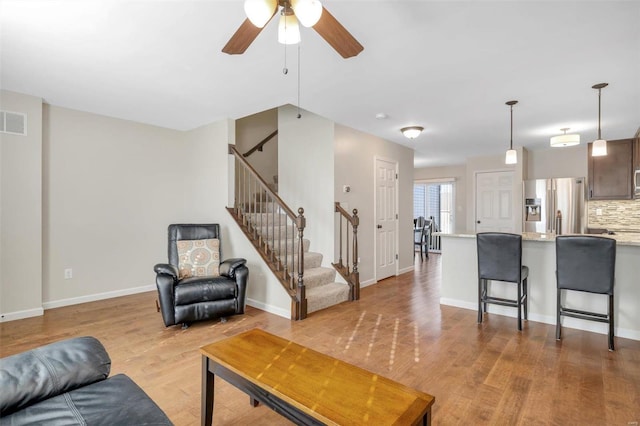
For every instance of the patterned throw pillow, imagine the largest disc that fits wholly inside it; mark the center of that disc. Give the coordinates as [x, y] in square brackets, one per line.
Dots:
[198, 258]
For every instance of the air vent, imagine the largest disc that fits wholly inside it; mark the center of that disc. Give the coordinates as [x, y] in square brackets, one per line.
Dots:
[13, 122]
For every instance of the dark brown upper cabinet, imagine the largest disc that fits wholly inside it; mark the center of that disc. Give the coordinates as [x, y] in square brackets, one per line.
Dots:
[611, 176]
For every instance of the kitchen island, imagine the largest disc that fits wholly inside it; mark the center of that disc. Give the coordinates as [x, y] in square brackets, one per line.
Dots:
[460, 282]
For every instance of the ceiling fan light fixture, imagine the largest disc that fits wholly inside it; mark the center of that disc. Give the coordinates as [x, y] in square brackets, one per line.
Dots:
[564, 139]
[259, 12]
[307, 11]
[288, 29]
[412, 132]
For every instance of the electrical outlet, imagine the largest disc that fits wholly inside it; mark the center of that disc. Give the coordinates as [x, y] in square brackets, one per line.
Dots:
[598, 212]
[68, 274]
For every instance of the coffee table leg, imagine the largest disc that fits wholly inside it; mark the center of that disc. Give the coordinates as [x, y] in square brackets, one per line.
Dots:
[208, 383]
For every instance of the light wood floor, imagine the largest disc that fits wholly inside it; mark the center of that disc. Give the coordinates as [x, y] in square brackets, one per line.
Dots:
[479, 374]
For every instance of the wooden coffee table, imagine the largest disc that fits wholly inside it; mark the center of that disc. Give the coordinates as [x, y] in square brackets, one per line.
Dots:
[306, 386]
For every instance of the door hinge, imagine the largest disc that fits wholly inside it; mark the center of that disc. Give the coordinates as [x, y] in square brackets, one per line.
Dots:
[396, 256]
[396, 215]
[396, 176]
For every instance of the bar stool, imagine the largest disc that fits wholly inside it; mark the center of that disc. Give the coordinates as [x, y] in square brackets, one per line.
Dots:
[500, 259]
[587, 264]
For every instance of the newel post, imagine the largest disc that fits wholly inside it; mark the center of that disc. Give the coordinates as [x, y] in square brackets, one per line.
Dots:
[356, 275]
[300, 289]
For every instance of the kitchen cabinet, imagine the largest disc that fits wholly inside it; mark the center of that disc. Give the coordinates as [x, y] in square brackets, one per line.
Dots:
[636, 166]
[610, 176]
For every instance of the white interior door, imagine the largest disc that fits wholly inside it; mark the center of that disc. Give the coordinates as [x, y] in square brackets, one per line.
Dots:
[386, 218]
[494, 202]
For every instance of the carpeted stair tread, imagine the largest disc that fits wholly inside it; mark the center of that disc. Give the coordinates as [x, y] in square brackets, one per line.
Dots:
[311, 260]
[268, 218]
[280, 245]
[315, 277]
[326, 295]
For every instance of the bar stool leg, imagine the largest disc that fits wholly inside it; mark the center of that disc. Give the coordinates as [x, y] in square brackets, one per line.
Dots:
[485, 293]
[526, 299]
[611, 348]
[480, 300]
[519, 307]
[558, 308]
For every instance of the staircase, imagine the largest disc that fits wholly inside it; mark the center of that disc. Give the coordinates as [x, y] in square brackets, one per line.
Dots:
[322, 290]
[277, 233]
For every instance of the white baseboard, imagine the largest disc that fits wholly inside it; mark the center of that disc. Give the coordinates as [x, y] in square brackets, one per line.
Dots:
[12, 316]
[269, 308]
[99, 296]
[405, 270]
[367, 283]
[595, 327]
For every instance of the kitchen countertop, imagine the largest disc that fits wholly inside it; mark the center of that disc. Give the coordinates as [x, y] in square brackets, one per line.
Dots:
[622, 238]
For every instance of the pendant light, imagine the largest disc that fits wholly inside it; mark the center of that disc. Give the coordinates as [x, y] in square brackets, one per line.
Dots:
[564, 139]
[512, 154]
[599, 147]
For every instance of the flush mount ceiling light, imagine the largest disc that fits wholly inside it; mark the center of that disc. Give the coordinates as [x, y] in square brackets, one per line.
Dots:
[512, 154]
[412, 132]
[599, 147]
[564, 139]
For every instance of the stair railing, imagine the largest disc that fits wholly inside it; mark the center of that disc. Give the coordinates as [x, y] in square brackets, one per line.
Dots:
[349, 268]
[260, 144]
[270, 224]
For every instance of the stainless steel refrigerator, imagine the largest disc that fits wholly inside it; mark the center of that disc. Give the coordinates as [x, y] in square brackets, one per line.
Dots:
[555, 206]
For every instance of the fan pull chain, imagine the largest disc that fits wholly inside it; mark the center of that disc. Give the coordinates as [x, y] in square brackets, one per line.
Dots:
[285, 70]
[299, 115]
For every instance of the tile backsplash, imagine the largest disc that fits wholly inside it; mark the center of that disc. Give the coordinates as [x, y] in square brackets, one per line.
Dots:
[616, 214]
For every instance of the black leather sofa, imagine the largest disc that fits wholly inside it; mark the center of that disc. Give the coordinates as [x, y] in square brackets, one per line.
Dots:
[65, 383]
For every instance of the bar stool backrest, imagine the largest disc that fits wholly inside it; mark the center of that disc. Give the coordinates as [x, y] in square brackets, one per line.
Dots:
[499, 256]
[586, 263]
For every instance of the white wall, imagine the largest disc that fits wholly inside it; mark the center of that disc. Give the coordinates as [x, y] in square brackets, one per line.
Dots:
[253, 129]
[306, 173]
[569, 161]
[459, 175]
[110, 188]
[21, 211]
[354, 165]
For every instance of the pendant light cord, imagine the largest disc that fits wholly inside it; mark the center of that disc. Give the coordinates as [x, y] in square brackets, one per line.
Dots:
[599, 93]
[511, 140]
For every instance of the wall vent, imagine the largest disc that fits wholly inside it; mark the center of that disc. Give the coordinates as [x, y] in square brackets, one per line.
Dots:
[14, 123]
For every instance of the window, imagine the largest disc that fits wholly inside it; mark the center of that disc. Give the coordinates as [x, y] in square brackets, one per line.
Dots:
[435, 200]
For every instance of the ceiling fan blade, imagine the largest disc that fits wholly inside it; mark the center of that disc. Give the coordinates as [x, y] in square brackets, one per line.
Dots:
[336, 35]
[242, 38]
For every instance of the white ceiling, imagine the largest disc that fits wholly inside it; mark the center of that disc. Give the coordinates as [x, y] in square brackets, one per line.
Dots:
[448, 66]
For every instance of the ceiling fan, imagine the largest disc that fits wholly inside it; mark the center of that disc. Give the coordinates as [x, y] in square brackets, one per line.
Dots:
[309, 13]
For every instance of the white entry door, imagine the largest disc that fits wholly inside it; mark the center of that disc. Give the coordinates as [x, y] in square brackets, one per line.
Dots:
[386, 218]
[494, 202]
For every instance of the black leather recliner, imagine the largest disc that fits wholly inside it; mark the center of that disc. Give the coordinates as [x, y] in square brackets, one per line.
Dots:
[194, 298]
